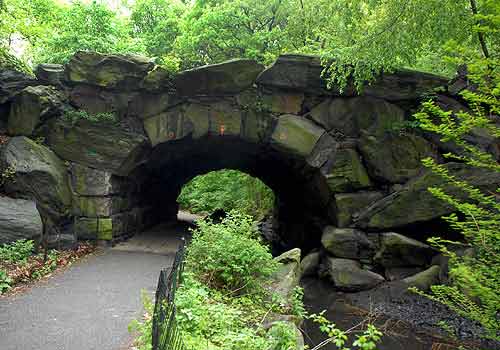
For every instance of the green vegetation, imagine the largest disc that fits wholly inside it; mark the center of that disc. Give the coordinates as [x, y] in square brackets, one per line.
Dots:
[474, 265]
[18, 251]
[73, 117]
[360, 38]
[227, 189]
[5, 282]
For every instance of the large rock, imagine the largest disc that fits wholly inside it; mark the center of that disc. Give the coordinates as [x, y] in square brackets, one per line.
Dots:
[351, 117]
[32, 106]
[288, 275]
[49, 73]
[425, 279]
[348, 204]
[98, 145]
[310, 263]
[109, 71]
[398, 250]
[414, 203]
[296, 135]
[228, 77]
[11, 82]
[395, 158]
[347, 243]
[98, 206]
[87, 181]
[347, 275]
[19, 219]
[345, 172]
[283, 102]
[37, 173]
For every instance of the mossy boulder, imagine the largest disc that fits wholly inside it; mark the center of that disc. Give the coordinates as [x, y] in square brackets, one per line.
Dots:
[353, 116]
[36, 173]
[346, 172]
[310, 263]
[398, 250]
[425, 279]
[394, 157]
[347, 275]
[283, 103]
[87, 181]
[295, 135]
[228, 77]
[50, 73]
[32, 106]
[108, 71]
[348, 205]
[19, 219]
[12, 82]
[288, 275]
[94, 228]
[347, 243]
[98, 145]
[98, 206]
[413, 203]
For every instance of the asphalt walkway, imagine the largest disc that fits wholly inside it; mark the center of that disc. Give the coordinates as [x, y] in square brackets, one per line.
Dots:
[90, 305]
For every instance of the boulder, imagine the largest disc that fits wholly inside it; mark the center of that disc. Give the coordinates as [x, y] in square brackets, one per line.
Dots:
[49, 73]
[19, 219]
[283, 103]
[296, 73]
[310, 263]
[229, 77]
[347, 243]
[413, 203]
[98, 206]
[87, 181]
[295, 135]
[32, 106]
[404, 85]
[323, 151]
[347, 275]
[395, 158]
[94, 228]
[11, 82]
[158, 79]
[61, 241]
[345, 172]
[397, 250]
[108, 71]
[349, 204]
[399, 273]
[288, 275]
[425, 279]
[37, 173]
[351, 117]
[98, 145]
[94, 100]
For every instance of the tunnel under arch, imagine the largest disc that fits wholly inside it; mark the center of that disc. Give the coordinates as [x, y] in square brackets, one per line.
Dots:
[333, 158]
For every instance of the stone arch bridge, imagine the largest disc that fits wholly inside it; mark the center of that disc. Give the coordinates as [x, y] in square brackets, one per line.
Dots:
[334, 159]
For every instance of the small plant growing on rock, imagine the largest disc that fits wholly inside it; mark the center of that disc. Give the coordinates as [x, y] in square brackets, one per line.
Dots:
[73, 117]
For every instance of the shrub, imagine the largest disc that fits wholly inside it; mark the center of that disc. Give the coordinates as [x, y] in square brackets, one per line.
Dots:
[5, 281]
[18, 251]
[230, 255]
[73, 117]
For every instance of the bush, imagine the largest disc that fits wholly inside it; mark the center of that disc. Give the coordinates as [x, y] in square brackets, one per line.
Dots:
[230, 255]
[5, 281]
[18, 251]
[73, 117]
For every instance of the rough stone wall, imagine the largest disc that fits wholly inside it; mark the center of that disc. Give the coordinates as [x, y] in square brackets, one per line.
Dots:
[352, 154]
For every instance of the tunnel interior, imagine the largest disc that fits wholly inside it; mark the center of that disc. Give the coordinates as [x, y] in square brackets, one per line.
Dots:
[299, 214]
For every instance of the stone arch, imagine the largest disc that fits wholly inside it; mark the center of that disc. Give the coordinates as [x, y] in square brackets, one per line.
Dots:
[344, 159]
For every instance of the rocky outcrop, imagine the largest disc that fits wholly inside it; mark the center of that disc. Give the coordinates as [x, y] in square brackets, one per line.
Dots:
[346, 172]
[347, 205]
[49, 73]
[398, 250]
[288, 275]
[310, 263]
[347, 275]
[296, 135]
[347, 243]
[11, 82]
[37, 173]
[19, 219]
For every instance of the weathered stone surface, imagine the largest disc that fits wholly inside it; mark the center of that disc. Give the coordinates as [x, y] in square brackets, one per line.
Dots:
[352, 116]
[323, 150]
[61, 241]
[398, 250]
[167, 126]
[345, 172]
[37, 173]
[11, 82]
[296, 135]
[348, 204]
[310, 263]
[19, 219]
[347, 243]
[50, 73]
[399, 273]
[395, 158]
[145, 105]
[256, 126]
[225, 119]
[109, 71]
[98, 206]
[218, 79]
[98, 145]
[94, 228]
[348, 275]
[94, 100]
[425, 279]
[31, 106]
[288, 275]
[414, 203]
[283, 103]
[87, 181]
[404, 84]
[295, 72]
[157, 79]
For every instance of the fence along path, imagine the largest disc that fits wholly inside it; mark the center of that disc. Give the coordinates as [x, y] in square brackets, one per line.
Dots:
[165, 333]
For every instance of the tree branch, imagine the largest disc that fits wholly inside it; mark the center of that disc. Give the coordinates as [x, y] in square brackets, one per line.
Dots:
[482, 41]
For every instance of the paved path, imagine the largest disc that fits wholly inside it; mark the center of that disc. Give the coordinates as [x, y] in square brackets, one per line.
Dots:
[90, 305]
